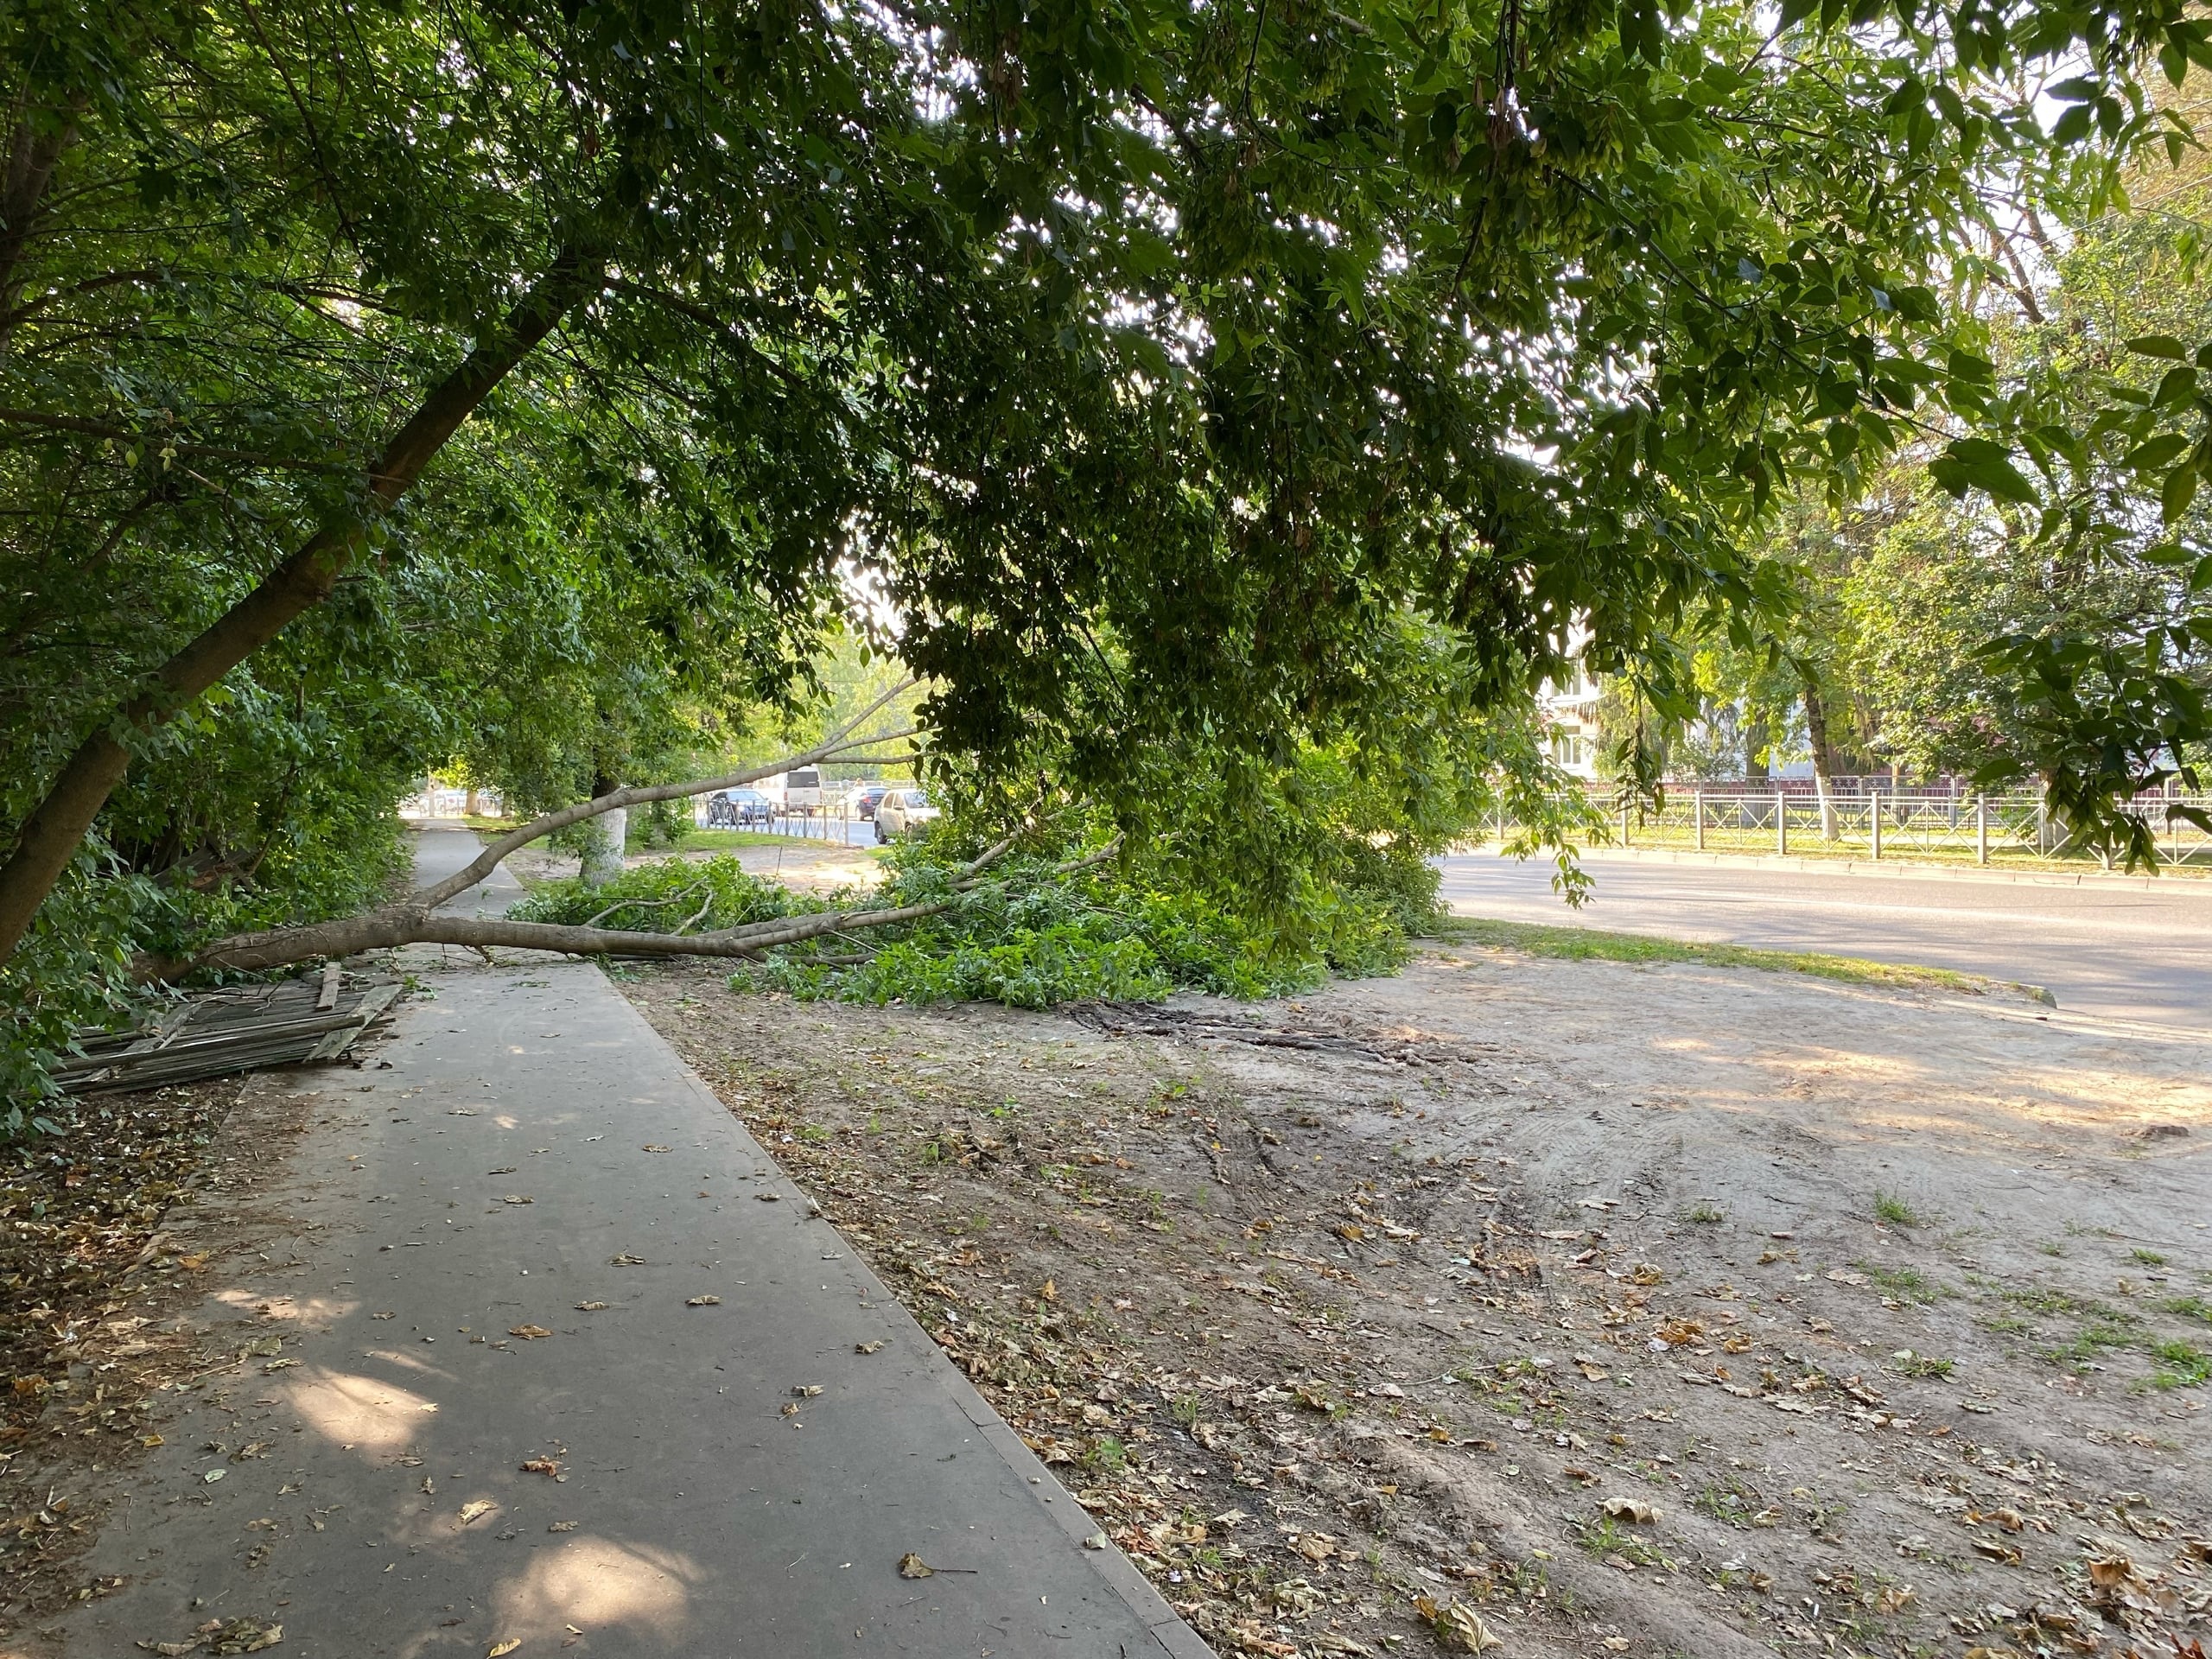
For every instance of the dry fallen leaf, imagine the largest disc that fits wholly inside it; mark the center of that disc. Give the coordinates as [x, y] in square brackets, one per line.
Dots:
[562, 1526]
[702, 1301]
[1633, 1511]
[866, 1347]
[541, 1466]
[240, 1635]
[528, 1332]
[626, 1260]
[1457, 1626]
[590, 1307]
[769, 1197]
[653, 1145]
[499, 1648]
[806, 1390]
[476, 1508]
[788, 1410]
[171, 1649]
[513, 1198]
[1049, 1291]
[911, 1566]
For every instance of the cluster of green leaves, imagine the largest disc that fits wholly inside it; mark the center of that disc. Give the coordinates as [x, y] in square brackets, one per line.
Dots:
[1031, 938]
[2027, 606]
[73, 970]
[668, 895]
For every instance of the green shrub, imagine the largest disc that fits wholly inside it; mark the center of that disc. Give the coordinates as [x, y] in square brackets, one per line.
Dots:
[660, 897]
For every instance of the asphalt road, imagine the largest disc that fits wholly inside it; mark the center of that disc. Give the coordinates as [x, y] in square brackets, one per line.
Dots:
[2106, 951]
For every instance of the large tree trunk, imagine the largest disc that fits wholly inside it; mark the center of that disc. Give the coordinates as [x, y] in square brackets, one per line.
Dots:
[605, 838]
[1816, 733]
[50, 836]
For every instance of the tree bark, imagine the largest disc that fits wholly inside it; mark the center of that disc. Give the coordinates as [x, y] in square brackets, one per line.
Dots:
[401, 924]
[606, 842]
[1816, 733]
[50, 836]
[32, 157]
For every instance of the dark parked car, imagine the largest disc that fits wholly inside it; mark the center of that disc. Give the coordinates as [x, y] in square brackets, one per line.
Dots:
[865, 797]
[739, 809]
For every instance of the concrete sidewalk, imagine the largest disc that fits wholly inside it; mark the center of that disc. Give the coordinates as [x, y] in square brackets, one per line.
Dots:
[566, 1361]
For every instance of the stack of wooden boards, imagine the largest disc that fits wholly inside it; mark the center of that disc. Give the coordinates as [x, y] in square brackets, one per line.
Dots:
[238, 1028]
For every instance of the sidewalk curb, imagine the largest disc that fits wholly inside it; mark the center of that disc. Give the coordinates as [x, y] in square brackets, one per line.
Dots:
[1887, 867]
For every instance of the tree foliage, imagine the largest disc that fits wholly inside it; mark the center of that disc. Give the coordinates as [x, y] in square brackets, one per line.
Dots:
[536, 385]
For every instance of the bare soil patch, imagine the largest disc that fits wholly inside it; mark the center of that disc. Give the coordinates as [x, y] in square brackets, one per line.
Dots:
[1592, 1307]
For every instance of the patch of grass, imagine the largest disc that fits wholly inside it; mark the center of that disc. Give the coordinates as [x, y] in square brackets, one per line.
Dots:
[2189, 1307]
[1735, 1501]
[1920, 1365]
[1906, 1284]
[2009, 1325]
[2180, 1365]
[1589, 943]
[2149, 1258]
[1105, 1455]
[2101, 1336]
[1893, 1210]
[2038, 1299]
[1704, 1212]
[727, 841]
[1608, 1537]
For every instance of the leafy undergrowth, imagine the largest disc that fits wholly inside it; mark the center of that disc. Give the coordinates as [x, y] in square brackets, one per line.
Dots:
[1030, 937]
[671, 895]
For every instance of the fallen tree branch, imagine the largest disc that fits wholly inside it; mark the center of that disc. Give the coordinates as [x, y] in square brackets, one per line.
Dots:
[839, 741]
[415, 924]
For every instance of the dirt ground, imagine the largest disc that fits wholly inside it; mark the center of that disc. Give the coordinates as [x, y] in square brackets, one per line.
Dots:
[105, 1230]
[1582, 1307]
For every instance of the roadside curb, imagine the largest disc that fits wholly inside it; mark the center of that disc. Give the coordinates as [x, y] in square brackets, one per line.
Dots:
[1887, 867]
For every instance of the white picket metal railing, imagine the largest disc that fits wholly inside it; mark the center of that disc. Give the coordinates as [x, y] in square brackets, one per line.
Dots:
[1925, 825]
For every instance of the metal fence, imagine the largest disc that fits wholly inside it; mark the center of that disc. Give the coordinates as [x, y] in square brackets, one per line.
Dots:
[1926, 826]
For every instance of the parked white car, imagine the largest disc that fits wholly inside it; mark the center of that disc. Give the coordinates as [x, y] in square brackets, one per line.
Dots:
[903, 811]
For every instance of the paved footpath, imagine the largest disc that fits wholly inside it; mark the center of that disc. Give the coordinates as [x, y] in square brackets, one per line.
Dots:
[509, 1248]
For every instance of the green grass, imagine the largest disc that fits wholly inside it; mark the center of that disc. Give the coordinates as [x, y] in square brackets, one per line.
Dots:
[1589, 943]
[1906, 1284]
[1921, 1365]
[2149, 1258]
[1608, 1537]
[2189, 1307]
[2180, 1365]
[1704, 1212]
[723, 841]
[1888, 1207]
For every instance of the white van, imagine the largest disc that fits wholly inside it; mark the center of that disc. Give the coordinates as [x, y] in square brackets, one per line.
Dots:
[802, 792]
